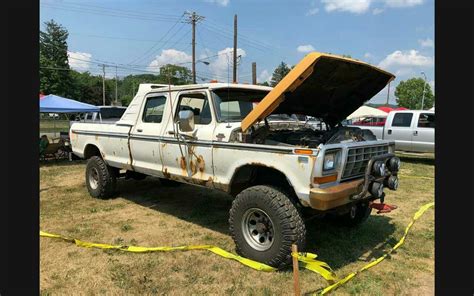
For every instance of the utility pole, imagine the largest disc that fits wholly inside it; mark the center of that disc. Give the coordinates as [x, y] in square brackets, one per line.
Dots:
[234, 76]
[254, 73]
[388, 94]
[116, 86]
[193, 19]
[103, 84]
[424, 88]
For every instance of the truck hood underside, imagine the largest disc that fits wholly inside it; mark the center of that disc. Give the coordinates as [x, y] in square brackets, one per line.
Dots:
[324, 86]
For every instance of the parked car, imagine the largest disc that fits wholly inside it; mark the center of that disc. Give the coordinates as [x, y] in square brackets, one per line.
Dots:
[212, 135]
[371, 121]
[108, 114]
[412, 130]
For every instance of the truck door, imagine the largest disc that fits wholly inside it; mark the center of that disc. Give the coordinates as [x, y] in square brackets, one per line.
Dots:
[399, 129]
[423, 133]
[188, 155]
[145, 135]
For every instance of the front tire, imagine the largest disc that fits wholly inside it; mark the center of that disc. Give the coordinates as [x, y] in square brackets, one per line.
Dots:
[101, 179]
[264, 223]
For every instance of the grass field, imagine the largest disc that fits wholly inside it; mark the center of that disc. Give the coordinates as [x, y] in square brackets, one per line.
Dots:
[147, 214]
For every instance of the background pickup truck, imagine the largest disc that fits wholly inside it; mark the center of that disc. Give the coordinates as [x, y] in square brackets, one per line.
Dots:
[412, 130]
[217, 135]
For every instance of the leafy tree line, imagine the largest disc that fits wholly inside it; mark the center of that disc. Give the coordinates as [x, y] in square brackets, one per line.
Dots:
[56, 76]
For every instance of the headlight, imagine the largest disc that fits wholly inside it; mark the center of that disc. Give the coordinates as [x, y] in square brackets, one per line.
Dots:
[394, 164]
[331, 160]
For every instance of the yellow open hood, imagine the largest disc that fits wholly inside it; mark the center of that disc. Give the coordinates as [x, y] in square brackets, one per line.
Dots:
[324, 86]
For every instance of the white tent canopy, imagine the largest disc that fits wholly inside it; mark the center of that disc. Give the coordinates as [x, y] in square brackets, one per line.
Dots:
[365, 111]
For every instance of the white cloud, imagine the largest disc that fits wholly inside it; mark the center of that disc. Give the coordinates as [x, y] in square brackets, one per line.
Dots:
[312, 11]
[305, 48]
[219, 2]
[376, 11]
[79, 61]
[354, 6]
[264, 76]
[403, 3]
[426, 42]
[170, 56]
[367, 55]
[405, 59]
[362, 6]
[223, 63]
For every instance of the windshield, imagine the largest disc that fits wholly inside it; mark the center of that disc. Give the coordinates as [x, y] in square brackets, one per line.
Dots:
[233, 104]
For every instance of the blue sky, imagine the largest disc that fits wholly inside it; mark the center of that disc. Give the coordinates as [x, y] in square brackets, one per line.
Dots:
[139, 36]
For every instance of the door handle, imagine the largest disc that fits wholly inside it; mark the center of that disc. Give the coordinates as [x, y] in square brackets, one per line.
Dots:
[415, 133]
[171, 132]
[139, 130]
[389, 131]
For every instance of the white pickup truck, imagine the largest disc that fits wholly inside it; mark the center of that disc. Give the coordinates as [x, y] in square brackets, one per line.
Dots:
[412, 130]
[217, 135]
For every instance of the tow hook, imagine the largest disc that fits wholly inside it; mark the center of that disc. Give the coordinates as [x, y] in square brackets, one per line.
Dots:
[382, 207]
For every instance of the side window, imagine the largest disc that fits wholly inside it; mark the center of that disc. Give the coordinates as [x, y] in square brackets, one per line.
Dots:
[426, 120]
[199, 104]
[402, 119]
[154, 108]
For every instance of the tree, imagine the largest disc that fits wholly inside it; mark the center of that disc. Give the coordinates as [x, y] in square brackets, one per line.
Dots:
[279, 73]
[54, 73]
[178, 75]
[410, 93]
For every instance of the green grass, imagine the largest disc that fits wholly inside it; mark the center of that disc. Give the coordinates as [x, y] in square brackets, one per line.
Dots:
[147, 214]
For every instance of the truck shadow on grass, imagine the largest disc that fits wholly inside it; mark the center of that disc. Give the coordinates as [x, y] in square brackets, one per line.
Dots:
[337, 245]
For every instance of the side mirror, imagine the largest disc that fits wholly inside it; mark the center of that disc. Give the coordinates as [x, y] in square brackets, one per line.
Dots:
[186, 121]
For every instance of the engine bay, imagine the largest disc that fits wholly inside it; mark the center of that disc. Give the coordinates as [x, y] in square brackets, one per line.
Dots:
[301, 134]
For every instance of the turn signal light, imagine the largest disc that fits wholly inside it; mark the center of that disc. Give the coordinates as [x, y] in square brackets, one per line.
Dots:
[303, 151]
[325, 179]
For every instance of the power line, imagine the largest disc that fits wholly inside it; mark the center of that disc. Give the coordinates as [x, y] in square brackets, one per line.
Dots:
[161, 39]
[109, 12]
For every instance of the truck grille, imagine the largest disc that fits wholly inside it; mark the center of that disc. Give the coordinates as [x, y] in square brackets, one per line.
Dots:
[358, 158]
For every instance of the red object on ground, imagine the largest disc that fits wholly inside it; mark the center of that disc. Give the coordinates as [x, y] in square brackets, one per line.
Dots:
[41, 95]
[401, 108]
[382, 207]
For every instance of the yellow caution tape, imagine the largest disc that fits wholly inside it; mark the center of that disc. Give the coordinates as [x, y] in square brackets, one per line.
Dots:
[417, 215]
[216, 250]
[307, 260]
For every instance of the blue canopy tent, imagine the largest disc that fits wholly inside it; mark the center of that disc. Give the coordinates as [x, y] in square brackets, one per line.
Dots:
[57, 104]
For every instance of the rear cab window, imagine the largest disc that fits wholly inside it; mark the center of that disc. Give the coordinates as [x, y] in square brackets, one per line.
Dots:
[426, 120]
[154, 108]
[402, 120]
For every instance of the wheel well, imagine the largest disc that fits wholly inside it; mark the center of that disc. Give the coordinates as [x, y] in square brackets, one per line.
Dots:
[251, 175]
[91, 150]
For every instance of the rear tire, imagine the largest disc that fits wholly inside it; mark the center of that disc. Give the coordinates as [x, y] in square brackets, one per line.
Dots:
[358, 214]
[101, 179]
[264, 223]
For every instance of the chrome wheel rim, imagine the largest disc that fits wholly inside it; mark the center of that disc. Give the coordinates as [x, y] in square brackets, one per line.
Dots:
[94, 178]
[258, 229]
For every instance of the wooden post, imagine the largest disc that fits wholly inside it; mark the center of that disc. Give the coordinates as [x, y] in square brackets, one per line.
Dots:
[296, 279]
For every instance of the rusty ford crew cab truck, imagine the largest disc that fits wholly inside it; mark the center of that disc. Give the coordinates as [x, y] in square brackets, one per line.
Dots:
[219, 135]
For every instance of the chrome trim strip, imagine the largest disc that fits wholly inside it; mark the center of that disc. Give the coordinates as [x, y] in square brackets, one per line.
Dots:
[214, 144]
